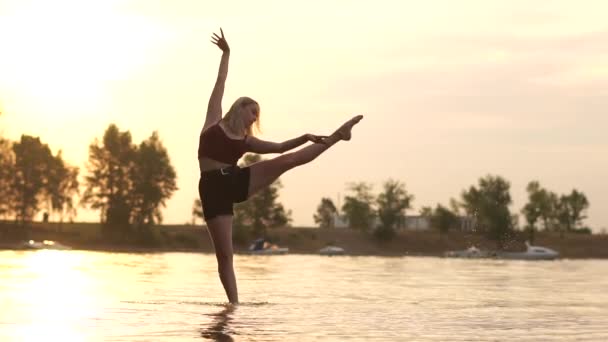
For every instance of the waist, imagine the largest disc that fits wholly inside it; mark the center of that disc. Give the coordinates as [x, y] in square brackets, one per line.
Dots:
[208, 164]
[224, 171]
[227, 154]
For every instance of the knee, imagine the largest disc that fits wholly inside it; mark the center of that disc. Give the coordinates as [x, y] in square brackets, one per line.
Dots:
[290, 160]
[223, 259]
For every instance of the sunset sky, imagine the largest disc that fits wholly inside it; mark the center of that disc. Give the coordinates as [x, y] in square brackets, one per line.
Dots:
[451, 90]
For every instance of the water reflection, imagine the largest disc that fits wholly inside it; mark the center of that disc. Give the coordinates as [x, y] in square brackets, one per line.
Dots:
[219, 329]
[47, 297]
[96, 296]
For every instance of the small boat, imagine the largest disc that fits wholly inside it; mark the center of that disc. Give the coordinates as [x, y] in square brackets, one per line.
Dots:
[270, 251]
[45, 244]
[261, 246]
[331, 250]
[531, 253]
[471, 252]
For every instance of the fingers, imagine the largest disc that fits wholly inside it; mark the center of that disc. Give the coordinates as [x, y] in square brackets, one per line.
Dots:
[219, 40]
[318, 138]
[215, 40]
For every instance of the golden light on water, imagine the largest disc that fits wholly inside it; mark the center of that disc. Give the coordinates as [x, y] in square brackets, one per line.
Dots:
[99, 296]
[50, 298]
[67, 295]
[40, 332]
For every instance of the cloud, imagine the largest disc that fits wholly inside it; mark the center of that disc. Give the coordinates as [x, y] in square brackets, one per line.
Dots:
[526, 97]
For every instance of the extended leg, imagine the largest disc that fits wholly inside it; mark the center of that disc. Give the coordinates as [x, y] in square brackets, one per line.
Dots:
[265, 172]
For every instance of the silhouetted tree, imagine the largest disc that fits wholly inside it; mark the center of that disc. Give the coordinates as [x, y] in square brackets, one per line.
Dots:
[197, 211]
[62, 187]
[109, 186]
[489, 204]
[426, 211]
[32, 164]
[153, 180]
[128, 183]
[541, 206]
[392, 204]
[443, 219]
[358, 208]
[326, 211]
[571, 211]
[7, 165]
[32, 177]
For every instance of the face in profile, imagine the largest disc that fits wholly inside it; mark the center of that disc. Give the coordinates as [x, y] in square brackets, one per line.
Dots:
[250, 114]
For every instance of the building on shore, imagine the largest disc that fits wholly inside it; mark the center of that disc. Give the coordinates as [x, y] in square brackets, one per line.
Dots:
[410, 223]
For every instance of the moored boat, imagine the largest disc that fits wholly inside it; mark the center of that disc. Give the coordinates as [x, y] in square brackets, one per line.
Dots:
[261, 246]
[331, 250]
[531, 253]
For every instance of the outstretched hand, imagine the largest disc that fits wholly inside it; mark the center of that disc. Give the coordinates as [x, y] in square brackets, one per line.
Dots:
[317, 139]
[220, 41]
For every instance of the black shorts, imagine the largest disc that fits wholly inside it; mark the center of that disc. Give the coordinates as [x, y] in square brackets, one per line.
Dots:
[219, 189]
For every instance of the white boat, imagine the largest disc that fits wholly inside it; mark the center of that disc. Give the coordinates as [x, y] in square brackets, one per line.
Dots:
[471, 252]
[531, 253]
[331, 250]
[45, 244]
[270, 251]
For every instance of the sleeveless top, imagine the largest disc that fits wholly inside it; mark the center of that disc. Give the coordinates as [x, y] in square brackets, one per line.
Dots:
[216, 145]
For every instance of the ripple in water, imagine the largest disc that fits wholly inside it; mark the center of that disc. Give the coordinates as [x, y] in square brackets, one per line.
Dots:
[95, 296]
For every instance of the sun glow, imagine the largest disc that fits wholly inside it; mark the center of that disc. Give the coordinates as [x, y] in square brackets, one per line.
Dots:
[66, 54]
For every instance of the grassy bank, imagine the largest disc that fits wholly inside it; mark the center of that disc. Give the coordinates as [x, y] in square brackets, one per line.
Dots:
[310, 240]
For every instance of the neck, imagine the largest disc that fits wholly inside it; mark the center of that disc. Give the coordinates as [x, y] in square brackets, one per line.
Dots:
[231, 130]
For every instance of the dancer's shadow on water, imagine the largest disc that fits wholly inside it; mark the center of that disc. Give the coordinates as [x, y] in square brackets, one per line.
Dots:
[219, 329]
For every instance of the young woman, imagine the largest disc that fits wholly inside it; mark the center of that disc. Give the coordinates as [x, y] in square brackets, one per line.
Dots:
[222, 142]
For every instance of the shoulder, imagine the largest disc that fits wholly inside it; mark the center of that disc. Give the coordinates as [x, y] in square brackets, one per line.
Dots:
[211, 126]
[251, 139]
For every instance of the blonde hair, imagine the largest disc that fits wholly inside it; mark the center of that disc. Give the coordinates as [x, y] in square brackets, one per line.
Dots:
[234, 120]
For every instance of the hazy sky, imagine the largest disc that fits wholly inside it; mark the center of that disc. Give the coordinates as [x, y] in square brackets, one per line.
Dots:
[451, 90]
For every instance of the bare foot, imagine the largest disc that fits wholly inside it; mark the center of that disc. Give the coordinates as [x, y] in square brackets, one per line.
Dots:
[344, 130]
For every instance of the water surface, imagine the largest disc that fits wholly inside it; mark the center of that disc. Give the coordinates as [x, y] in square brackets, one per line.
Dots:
[98, 296]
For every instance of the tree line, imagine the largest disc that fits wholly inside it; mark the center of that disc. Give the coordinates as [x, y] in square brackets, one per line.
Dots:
[485, 205]
[127, 183]
[31, 178]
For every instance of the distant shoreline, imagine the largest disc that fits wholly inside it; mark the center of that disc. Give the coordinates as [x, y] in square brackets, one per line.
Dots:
[195, 239]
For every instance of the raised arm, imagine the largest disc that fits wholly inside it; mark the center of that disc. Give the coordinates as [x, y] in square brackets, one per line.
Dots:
[260, 146]
[214, 109]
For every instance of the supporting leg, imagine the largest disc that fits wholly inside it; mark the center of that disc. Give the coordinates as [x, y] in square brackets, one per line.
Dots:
[220, 230]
